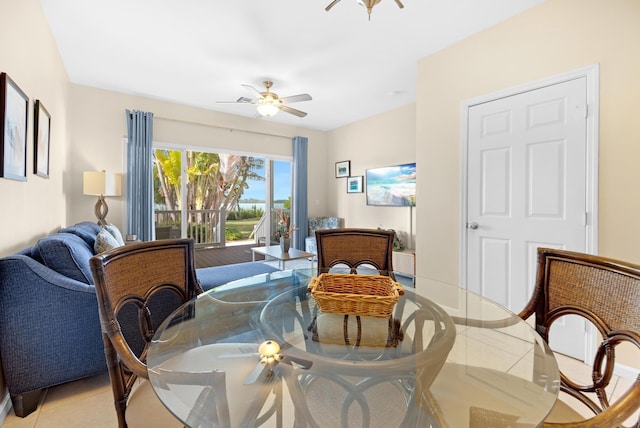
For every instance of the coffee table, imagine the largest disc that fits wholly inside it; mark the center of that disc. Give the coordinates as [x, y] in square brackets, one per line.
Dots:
[275, 252]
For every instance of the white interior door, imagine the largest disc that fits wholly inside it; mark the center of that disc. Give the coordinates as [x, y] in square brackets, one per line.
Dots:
[527, 187]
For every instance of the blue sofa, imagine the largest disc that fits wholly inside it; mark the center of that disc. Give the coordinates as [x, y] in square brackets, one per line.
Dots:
[49, 325]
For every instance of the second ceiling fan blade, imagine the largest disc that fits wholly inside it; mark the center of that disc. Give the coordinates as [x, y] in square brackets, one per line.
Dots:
[251, 88]
[333, 3]
[241, 100]
[292, 111]
[399, 3]
[296, 98]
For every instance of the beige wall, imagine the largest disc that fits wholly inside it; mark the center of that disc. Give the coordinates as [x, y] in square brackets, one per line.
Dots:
[555, 37]
[98, 128]
[87, 130]
[29, 56]
[382, 140]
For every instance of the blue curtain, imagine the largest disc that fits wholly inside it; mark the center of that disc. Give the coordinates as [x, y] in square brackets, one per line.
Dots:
[140, 174]
[300, 212]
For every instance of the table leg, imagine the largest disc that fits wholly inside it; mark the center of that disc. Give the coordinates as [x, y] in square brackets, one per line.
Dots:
[253, 256]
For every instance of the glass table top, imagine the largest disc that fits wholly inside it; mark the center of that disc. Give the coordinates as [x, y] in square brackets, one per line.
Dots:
[259, 352]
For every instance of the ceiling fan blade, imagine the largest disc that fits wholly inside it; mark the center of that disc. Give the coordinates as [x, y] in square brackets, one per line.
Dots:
[296, 98]
[251, 88]
[333, 3]
[399, 3]
[241, 100]
[292, 111]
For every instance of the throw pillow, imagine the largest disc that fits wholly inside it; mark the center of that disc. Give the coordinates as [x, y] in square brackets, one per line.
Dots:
[66, 254]
[105, 241]
[85, 230]
[113, 230]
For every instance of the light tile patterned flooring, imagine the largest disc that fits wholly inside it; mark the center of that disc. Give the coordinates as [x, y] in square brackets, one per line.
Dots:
[89, 403]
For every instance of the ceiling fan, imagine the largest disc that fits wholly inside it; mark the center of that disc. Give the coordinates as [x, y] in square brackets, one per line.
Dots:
[268, 103]
[367, 3]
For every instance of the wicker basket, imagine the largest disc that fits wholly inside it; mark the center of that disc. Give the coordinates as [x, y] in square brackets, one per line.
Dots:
[366, 295]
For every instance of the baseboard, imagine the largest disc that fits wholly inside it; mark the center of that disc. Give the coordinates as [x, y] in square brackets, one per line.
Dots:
[626, 372]
[6, 407]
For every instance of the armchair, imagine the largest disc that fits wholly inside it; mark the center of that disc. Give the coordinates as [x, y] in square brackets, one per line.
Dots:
[319, 223]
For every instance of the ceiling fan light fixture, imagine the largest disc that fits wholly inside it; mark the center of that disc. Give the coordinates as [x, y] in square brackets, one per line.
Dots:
[268, 103]
[369, 4]
[267, 109]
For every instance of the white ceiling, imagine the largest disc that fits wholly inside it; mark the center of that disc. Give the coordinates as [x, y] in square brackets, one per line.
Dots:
[197, 52]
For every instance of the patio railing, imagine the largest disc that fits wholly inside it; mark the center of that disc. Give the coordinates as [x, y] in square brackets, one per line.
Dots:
[259, 233]
[205, 227]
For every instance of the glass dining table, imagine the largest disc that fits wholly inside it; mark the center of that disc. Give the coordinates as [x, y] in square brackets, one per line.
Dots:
[259, 352]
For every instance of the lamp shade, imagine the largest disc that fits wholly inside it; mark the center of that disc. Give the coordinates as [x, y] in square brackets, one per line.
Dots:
[101, 183]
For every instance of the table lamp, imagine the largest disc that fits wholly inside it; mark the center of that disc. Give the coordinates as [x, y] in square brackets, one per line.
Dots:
[101, 184]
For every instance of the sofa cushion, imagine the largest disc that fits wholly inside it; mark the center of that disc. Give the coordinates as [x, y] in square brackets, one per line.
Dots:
[105, 241]
[85, 230]
[215, 276]
[67, 254]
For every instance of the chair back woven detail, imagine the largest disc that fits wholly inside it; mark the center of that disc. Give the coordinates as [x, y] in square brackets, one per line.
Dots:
[605, 292]
[137, 287]
[355, 248]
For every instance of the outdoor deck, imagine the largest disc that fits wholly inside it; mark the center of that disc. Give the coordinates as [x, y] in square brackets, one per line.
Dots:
[209, 256]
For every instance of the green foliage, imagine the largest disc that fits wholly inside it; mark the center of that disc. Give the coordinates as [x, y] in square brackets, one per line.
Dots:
[244, 214]
[232, 233]
[240, 229]
[214, 181]
[397, 244]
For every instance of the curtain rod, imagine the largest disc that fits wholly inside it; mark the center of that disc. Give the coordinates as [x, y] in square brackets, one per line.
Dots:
[191, 122]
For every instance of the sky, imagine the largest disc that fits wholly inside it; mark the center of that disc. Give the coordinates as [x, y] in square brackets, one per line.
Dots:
[281, 183]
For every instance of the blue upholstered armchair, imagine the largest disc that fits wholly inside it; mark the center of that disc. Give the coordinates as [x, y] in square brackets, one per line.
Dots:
[319, 223]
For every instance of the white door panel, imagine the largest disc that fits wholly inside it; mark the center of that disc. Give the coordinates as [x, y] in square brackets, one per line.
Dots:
[526, 188]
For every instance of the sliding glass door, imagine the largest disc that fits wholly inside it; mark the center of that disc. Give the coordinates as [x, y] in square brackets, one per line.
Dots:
[214, 198]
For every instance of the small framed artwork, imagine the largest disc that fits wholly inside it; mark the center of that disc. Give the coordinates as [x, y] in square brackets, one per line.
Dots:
[14, 110]
[41, 140]
[343, 169]
[354, 184]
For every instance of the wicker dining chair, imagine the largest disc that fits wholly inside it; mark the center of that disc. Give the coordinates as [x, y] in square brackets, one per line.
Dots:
[355, 248]
[605, 292]
[137, 287]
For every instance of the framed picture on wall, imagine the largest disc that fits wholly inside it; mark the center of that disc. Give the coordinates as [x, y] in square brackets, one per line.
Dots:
[354, 184]
[343, 169]
[41, 140]
[14, 110]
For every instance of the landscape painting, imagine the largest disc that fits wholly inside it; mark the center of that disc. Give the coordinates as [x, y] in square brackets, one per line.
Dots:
[392, 186]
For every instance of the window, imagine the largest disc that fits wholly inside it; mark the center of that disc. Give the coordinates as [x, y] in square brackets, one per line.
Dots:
[226, 195]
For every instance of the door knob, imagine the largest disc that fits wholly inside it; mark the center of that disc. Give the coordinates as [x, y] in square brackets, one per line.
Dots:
[473, 225]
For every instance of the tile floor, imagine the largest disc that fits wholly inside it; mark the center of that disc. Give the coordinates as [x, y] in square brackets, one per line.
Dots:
[88, 402]
[81, 404]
